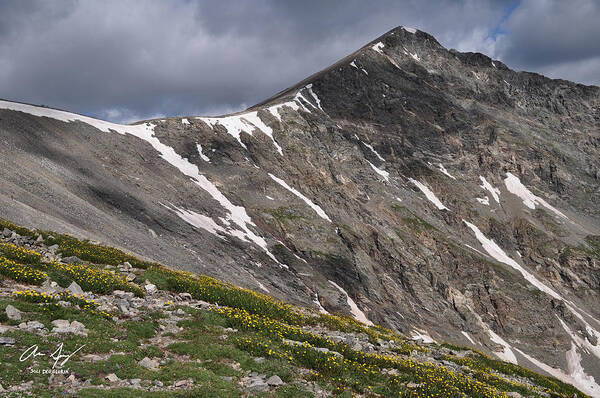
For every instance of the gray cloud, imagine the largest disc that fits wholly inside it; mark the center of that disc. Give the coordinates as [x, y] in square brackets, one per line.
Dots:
[130, 60]
[556, 38]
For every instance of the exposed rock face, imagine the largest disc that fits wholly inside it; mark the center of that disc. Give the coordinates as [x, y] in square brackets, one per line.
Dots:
[435, 192]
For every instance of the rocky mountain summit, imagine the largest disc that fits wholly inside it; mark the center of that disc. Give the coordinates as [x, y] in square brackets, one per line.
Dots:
[436, 193]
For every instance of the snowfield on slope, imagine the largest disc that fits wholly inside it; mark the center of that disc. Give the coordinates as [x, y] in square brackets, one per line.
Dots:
[237, 214]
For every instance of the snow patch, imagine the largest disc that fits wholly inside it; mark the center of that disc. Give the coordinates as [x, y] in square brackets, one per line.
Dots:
[313, 206]
[185, 121]
[198, 220]
[484, 201]
[497, 253]
[260, 285]
[430, 195]
[356, 312]
[318, 304]
[353, 64]
[507, 354]
[246, 122]
[377, 47]
[422, 335]
[468, 337]
[374, 151]
[495, 192]
[366, 73]
[318, 101]
[576, 375]
[274, 110]
[379, 171]
[475, 250]
[202, 155]
[268, 197]
[514, 186]
[409, 30]
[443, 170]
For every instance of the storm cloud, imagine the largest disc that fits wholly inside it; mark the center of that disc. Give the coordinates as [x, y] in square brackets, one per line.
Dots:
[132, 60]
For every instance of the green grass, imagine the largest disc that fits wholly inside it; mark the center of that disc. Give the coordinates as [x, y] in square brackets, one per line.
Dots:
[207, 353]
[284, 214]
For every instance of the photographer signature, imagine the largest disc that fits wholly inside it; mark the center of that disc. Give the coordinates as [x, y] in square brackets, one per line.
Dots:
[59, 358]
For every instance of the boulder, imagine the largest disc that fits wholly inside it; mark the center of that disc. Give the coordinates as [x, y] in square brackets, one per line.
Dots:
[150, 288]
[62, 326]
[274, 381]
[75, 288]
[123, 306]
[91, 358]
[71, 260]
[61, 323]
[7, 341]
[148, 363]
[257, 385]
[12, 313]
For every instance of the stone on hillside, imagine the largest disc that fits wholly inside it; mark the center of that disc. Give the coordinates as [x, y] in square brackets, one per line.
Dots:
[71, 260]
[6, 233]
[150, 288]
[274, 381]
[12, 313]
[148, 363]
[77, 325]
[112, 378]
[4, 329]
[91, 358]
[31, 325]
[257, 385]
[185, 296]
[158, 383]
[60, 323]
[7, 341]
[123, 306]
[180, 383]
[53, 248]
[123, 295]
[39, 239]
[62, 326]
[291, 342]
[327, 351]
[75, 288]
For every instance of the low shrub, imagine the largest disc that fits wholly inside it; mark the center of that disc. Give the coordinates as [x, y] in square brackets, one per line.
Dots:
[21, 272]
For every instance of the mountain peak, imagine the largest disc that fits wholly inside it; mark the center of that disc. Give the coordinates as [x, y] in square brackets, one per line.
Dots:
[433, 192]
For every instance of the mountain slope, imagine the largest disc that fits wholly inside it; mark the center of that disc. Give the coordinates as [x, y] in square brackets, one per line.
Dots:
[139, 329]
[437, 193]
